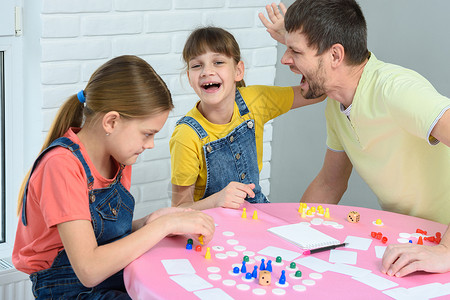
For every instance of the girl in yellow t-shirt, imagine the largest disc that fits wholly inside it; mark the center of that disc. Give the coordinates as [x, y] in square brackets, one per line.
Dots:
[216, 149]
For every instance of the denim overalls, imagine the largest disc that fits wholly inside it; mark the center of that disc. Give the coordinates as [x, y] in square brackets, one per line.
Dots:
[111, 213]
[231, 158]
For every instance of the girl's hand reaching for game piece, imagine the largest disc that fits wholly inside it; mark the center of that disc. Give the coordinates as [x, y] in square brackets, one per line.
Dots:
[234, 194]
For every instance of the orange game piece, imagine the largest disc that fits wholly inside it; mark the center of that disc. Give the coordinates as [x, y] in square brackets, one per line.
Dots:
[420, 241]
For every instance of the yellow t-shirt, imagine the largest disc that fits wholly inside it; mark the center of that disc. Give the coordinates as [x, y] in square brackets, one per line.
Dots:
[387, 139]
[186, 149]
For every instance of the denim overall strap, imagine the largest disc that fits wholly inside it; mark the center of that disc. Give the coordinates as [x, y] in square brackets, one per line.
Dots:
[62, 142]
[191, 122]
[243, 109]
[111, 211]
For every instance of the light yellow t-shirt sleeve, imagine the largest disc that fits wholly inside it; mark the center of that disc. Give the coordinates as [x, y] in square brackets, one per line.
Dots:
[184, 156]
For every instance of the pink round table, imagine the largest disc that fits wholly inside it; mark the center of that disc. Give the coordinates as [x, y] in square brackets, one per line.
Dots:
[148, 278]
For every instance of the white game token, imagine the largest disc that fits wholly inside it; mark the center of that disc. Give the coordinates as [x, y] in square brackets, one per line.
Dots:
[215, 276]
[232, 242]
[292, 275]
[404, 235]
[229, 282]
[248, 253]
[317, 221]
[330, 223]
[218, 248]
[228, 233]
[213, 269]
[402, 241]
[240, 248]
[299, 288]
[232, 253]
[338, 226]
[286, 284]
[278, 291]
[305, 223]
[308, 282]
[291, 269]
[259, 291]
[243, 287]
[221, 255]
[315, 275]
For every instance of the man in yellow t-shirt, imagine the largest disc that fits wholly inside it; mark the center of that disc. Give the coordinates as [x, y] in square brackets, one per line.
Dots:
[383, 119]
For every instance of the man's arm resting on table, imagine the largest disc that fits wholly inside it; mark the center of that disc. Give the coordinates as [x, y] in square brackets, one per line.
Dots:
[331, 182]
[441, 130]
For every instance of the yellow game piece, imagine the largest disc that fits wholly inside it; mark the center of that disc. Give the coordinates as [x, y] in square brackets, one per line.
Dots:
[320, 207]
[300, 208]
[200, 239]
[255, 215]
[313, 209]
[304, 213]
[378, 222]
[327, 213]
[309, 212]
[208, 253]
[244, 213]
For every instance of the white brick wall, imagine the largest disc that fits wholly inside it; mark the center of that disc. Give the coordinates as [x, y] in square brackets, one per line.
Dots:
[78, 36]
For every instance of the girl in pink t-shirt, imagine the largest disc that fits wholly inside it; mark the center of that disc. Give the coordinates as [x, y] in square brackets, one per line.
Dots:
[76, 232]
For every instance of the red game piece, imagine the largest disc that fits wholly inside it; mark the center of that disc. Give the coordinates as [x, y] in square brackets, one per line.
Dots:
[373, 234]
[379, 235]
[384, 240]
[420, 241]
[431, 238]
[438, 234]
[437, 240]
[198, 248]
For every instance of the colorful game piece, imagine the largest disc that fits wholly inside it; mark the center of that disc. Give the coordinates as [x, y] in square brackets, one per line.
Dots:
[198, 248]
[420, 241]
[327, 213]
[262, 267]
[243, 268]
[384, 240]
[244, 213]
[200, 239]
[292, 265]
[304, 213]
[353, 216]
[378, 222]
[373, 234]
[278, 259]
[282, 277]
[438, 234]
[309, 213]
[255, 272]
[313, 209]
[379, 236]
[264, 278]
[255, 215]
[236, 270]
[298, 274]
[190, 241]
[189, 246]
[248, 276]
[269, 266]
[300, 208]
[246, 258]
[410, 241]
[208, 253]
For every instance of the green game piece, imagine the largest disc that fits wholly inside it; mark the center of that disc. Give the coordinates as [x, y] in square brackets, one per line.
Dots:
[298, 274]
[190, 241]
[292, 265]
[246, 259]
[278, 260]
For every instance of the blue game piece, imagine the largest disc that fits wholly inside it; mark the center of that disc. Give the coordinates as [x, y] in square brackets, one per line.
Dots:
[262, 267]
[236, 270]
[255, 272]
[243, 268]
[410, 241]
[248, 275]
[189, 246]
[282, 278]
[269, 266]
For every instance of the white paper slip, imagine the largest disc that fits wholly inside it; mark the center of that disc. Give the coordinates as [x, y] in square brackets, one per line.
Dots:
[178, 266]
[191, 282]
[375, 281]
[275, 251]
[216, 294]
[303, 236]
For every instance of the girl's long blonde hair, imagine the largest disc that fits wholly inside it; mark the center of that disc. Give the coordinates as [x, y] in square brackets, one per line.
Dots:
[126, 84]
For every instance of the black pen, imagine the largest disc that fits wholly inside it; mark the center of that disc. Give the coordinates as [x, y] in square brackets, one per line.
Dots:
[307, 252]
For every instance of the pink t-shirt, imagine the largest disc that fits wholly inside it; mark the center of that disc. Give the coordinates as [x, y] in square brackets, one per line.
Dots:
[57, 193]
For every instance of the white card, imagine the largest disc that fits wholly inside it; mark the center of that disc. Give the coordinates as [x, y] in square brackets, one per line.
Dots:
[357, 243]
[216, 294]
[178, 266]
[191, 282]
[379, 251]
[375, 281]
[275, 251]
[342, 256]
[315, 264]
[349, 270]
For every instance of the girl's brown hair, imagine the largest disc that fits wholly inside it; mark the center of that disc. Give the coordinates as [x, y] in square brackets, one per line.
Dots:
[213, 39]
[125, 84]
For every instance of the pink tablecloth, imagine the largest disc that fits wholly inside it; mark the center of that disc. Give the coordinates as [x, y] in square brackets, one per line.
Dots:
[147, 278]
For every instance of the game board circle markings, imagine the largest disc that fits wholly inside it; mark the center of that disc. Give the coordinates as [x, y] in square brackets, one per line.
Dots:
[228, 233]
[278, 292]
[232, 242]
[259, 291]
[221, 255]
[243, 287]
[315, 275]
[292, 275]
[215, 276]
[317, 221]
[402, 241]
[248, 253]
[308, 282]
[217, 248]
[240, 248]
[338, 226]
[229, 282]
[299, 288]
[213, 269]
[404, 235]
[231, 253]
[286, 284]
